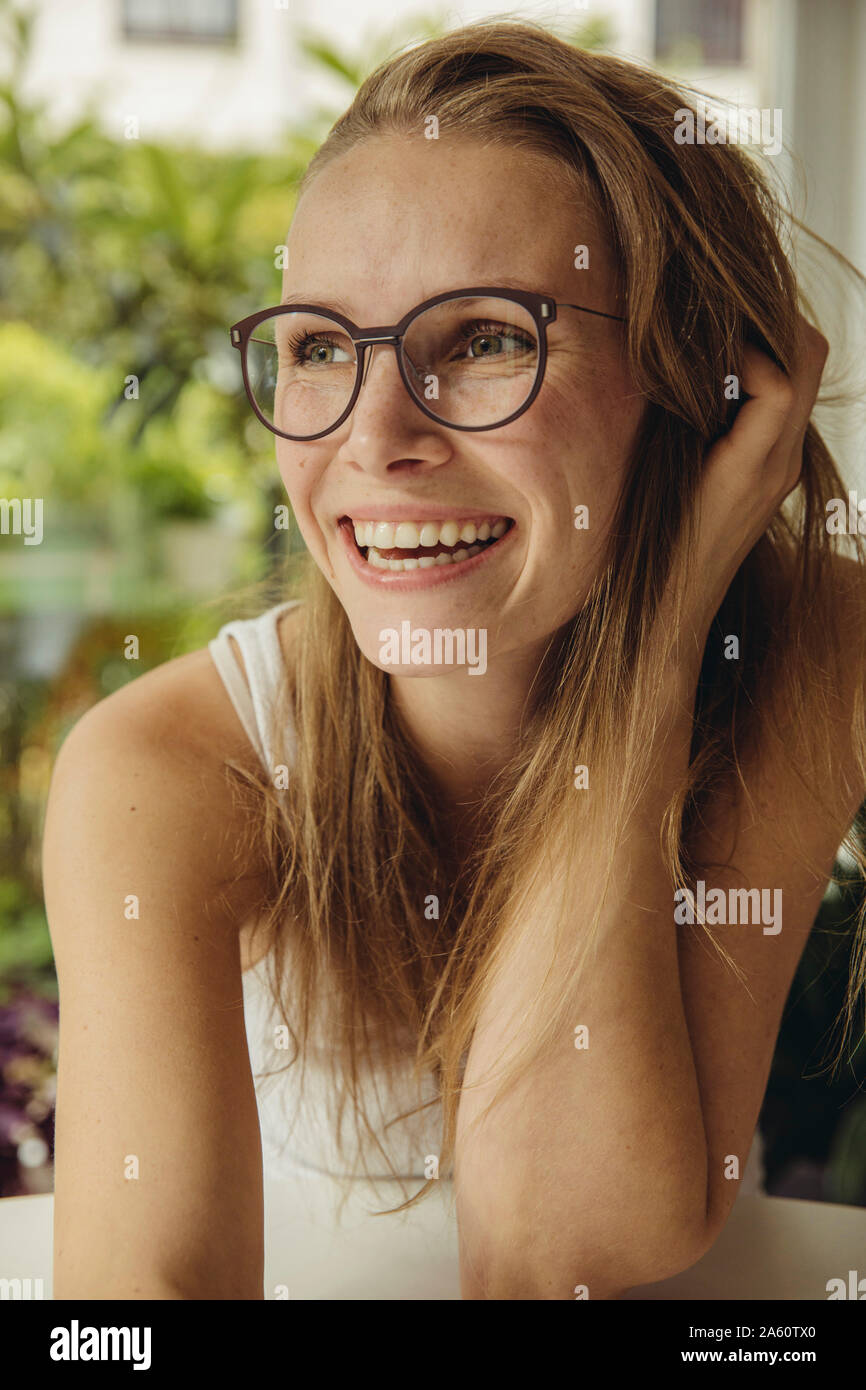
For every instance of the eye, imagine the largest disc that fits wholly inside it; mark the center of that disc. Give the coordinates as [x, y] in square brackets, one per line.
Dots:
[317, 349]
[487, 339]
[486, 344]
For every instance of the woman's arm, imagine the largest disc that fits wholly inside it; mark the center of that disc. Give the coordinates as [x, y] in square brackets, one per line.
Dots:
[609, 1166]
[158, 1188]
[592, 1170]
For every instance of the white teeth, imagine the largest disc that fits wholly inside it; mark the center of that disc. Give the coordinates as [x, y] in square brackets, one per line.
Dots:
[406, 536]
[410, 535]
[376, 536]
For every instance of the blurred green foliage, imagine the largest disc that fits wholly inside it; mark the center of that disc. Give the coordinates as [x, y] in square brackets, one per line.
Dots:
[122, 259]
[25, 946]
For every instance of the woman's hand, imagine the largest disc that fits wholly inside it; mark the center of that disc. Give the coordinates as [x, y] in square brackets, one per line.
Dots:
[748, 474]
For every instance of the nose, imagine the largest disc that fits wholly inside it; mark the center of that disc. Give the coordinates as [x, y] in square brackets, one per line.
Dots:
[398, 349]
[386, 427]
[373, 344]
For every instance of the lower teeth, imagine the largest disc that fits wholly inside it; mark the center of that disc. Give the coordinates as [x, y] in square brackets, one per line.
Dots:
[423, 561]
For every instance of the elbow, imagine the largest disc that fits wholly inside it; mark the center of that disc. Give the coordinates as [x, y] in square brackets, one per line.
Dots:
[579, 1260]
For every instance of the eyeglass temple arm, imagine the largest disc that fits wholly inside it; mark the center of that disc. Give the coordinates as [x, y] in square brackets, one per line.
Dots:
[598, 312]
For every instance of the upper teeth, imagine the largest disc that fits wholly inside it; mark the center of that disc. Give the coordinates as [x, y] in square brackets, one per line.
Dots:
[409, 535]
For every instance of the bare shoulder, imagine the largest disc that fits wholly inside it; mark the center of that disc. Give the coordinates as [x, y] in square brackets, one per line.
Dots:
[147, 765]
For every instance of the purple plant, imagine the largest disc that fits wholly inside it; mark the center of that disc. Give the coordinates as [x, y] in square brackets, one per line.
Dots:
[28, 1085]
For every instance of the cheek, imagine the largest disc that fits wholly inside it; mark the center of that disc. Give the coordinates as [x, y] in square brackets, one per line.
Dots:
[582, 437]
[299, 471]
[595, 401]
[576, 460]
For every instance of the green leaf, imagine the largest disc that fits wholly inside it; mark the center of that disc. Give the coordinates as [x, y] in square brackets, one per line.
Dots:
[322, 52]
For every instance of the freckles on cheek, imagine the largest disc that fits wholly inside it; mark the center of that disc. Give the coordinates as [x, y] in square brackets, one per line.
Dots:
[605, 415]
[299, 479]
[290, 463]
[571, 416]
[618, 408]
[299, 476]
[571, 441]
[577, 463]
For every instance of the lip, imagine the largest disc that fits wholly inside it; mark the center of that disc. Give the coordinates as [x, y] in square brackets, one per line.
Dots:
[415, 512]
[407, 580]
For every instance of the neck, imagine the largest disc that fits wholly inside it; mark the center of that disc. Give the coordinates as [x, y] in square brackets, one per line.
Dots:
[467, 728]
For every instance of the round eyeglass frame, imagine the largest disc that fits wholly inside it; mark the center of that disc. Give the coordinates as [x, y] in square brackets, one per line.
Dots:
[542, 307]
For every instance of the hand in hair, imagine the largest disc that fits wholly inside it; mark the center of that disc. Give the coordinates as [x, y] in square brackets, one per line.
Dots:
[748, 474]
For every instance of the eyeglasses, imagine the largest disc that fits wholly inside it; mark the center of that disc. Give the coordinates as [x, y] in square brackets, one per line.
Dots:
[470, 359]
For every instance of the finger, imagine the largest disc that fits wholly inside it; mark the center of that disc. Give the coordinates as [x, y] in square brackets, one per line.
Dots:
[760, 422]
[769, 425]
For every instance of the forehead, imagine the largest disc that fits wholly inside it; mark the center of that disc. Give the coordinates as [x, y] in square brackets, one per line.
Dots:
[397, 219]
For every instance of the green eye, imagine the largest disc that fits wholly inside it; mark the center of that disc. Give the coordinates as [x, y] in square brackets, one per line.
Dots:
[313, 349]
[491, 344]
[483, 340]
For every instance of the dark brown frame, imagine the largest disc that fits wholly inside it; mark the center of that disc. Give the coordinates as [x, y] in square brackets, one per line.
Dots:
[542, 307]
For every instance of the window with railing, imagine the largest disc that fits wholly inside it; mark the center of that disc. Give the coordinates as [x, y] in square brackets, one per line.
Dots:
[709, 32]
[185, 21]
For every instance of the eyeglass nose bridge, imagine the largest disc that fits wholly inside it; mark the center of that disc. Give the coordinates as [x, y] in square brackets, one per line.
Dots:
[378, 338]
[375, 339]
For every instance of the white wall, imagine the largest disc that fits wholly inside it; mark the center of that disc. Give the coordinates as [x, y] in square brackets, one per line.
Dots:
[817, 76]
[207, 93]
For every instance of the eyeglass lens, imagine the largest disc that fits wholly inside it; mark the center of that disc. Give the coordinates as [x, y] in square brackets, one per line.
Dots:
[470, 361]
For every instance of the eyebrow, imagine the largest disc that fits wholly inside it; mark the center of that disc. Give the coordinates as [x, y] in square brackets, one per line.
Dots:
[328, 301]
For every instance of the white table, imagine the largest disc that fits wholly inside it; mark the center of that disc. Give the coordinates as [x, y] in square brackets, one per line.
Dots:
[771, 1248]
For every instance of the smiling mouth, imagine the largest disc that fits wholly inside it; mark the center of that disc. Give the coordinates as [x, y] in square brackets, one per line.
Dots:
[410, 545]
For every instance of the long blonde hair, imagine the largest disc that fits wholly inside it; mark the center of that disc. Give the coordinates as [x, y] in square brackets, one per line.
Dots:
[355, 843]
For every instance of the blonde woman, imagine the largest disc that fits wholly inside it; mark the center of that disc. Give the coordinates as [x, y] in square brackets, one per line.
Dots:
[523, 799]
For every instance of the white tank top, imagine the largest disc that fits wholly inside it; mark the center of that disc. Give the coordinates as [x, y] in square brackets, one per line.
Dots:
[296, 1130]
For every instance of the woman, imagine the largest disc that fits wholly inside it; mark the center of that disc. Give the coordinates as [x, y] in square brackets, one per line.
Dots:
[532, 800]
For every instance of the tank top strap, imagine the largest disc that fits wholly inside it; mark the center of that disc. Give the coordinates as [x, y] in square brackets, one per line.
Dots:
[253, 698]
